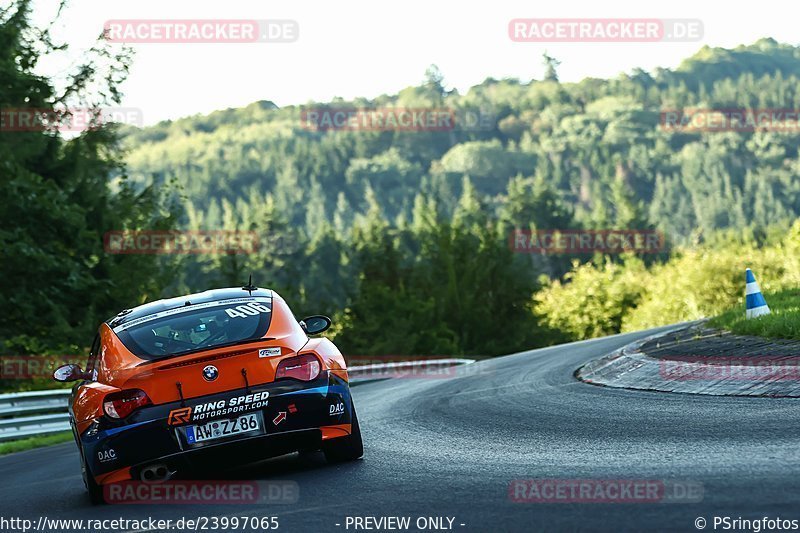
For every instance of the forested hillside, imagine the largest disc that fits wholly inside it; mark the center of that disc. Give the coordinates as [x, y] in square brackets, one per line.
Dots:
[401, 236]
[56, 281]
[596, 143]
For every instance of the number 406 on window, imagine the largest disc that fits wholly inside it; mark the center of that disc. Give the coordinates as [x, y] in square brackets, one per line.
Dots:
[243, 311]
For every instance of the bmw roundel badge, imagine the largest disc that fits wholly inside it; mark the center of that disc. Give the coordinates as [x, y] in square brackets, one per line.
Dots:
[210, 373]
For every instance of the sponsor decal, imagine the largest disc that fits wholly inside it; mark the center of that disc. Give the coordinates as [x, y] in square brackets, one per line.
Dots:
[207, 410]
[336, 409]
[106, 456]
[251, 309]
[193, 307]
[267, 352]
[179, 416]
[210, 373]
[292, 408]
[280, 418]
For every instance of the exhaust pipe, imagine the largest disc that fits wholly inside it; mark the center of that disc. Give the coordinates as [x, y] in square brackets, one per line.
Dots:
[156, 472]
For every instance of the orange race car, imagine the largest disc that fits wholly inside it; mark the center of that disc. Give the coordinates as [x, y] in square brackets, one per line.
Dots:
[210, 379]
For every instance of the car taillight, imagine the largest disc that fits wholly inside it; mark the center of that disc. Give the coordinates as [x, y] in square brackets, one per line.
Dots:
[121, 404]
[303, 367]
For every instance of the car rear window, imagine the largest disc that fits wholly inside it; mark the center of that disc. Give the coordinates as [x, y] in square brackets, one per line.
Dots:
[197, 327]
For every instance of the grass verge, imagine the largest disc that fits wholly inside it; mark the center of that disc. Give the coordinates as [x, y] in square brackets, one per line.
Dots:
[782, 323]
[34, 442]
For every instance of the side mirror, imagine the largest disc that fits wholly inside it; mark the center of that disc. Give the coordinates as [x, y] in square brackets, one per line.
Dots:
[68, 373]
[315, 324]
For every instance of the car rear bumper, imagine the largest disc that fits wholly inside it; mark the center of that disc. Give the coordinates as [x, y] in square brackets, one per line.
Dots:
[295, 415]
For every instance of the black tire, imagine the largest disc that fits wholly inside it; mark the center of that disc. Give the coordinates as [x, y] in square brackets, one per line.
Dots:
[94, 490]
[347, 448]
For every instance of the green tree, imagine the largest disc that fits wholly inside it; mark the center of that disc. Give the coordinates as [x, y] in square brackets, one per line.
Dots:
[550, 67]
[57, 282]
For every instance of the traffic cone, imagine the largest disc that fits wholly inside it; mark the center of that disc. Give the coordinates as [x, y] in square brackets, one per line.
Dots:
[756, 304]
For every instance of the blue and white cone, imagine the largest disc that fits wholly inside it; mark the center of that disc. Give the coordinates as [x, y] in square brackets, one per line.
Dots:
[756, 304]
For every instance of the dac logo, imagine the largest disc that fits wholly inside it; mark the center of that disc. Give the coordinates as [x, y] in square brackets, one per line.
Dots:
[105, 456]
[179, 416]
[336, 409]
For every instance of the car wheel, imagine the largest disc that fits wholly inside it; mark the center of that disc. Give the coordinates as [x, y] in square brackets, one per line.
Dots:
[94, 490]
[347, 448]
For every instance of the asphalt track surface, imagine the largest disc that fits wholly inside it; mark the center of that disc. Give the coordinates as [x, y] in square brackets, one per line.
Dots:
[450, 448]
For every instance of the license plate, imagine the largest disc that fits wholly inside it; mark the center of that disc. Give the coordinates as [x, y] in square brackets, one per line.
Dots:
[219, 429]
